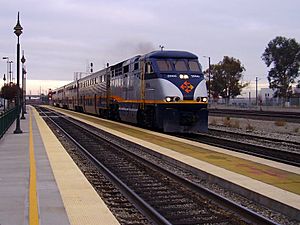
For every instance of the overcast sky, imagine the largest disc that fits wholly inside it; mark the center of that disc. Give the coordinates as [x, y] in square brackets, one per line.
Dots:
[61, 36]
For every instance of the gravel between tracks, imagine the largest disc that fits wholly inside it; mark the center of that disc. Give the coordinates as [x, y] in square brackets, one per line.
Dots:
[281, 219]
[273, 129]
[276, 216]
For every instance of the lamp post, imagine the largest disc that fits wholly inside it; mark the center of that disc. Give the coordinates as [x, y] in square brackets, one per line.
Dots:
[209, 71]
[25, 72]
[7, 62]
[10, 72]
[18, 31]
[4, 79]
[23, 60]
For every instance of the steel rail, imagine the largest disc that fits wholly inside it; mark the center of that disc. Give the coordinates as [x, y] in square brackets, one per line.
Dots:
[149, 211]
[287, 157]
[255, 136]
[255, 114]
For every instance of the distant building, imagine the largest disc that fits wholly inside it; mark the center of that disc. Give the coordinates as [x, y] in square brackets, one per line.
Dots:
[296, 91]
[266, 94]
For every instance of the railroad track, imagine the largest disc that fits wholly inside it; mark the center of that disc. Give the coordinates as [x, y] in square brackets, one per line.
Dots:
[255, 114]
[163, 196]
[257, 138]
[237, 144]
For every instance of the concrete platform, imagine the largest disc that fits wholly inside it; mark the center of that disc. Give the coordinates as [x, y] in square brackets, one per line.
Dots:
[39, 182]
[265, 181]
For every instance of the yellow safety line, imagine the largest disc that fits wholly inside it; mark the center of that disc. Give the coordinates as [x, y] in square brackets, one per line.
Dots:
[33, 204]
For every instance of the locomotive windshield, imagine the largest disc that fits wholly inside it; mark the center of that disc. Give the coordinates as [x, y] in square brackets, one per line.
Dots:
[164, 65]
[182, 65]
[194, 66]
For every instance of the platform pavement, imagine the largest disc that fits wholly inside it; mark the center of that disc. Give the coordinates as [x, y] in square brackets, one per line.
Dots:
[29, 193]
[15, 177]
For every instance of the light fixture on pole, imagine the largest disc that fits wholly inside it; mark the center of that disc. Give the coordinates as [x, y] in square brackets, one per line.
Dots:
[23, 60]
[18, 31]
[209, 71]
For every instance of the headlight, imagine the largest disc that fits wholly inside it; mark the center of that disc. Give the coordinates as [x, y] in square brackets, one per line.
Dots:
[168, 99]
[172, 99]
[204, 99]
[201, 99]
[184, 76]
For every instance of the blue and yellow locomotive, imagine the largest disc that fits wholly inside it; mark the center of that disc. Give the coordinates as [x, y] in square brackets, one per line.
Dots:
[162, 89]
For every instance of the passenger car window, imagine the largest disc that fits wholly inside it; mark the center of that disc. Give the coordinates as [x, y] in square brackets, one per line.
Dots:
[136, 66]
[126, 69]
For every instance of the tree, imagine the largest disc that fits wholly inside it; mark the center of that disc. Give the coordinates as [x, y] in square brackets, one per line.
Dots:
[9, 91]
[225, 78]
[283, 55]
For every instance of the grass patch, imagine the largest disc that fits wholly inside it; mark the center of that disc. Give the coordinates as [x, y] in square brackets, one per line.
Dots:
[227, 121]
[249, 127]
[213, 122]
[236, 124]
[280, 123]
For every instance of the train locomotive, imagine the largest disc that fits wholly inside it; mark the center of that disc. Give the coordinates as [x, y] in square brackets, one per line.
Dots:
[161, 89]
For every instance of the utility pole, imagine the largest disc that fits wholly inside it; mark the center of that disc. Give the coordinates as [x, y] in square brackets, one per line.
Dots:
[256, 81]
[209, 75]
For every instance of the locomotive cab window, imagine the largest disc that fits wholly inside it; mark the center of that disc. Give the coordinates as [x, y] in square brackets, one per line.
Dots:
[180, 65]
[149, 68]
[194, 66]
[164, 65]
